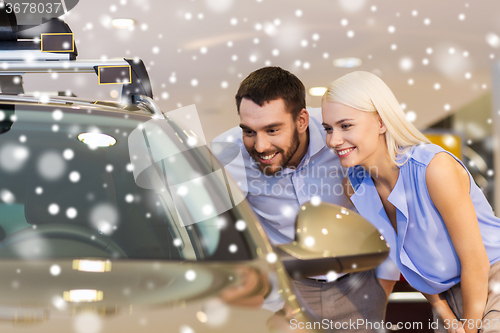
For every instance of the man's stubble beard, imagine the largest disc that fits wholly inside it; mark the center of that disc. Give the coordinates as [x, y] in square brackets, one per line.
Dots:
[268, 170]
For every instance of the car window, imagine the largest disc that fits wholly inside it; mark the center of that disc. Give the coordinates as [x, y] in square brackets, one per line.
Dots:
[61, 198]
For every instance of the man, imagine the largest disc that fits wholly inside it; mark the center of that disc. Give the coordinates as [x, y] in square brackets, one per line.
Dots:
[287, 164]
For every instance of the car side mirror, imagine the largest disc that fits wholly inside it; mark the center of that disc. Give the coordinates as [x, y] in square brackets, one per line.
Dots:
[332, 238]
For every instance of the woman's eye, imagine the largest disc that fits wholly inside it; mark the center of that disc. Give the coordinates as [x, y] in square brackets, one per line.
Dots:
[328, 129]
[345, 126]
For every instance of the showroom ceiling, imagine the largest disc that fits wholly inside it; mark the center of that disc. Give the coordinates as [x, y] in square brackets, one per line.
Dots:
[435, 55]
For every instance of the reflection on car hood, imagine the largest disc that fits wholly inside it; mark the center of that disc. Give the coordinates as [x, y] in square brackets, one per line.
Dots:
[136, 297]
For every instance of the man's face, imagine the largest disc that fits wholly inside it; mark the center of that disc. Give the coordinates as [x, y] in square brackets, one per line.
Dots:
[269, 133]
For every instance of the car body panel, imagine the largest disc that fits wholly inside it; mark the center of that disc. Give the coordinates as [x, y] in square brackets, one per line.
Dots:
[148, 295]
[152, 295]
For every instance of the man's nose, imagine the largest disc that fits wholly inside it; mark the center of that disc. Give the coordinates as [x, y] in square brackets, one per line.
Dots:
[262, 144]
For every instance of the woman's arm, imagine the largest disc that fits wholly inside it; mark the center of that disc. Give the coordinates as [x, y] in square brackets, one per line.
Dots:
[387, 285]
[444, 312]
[449, 185]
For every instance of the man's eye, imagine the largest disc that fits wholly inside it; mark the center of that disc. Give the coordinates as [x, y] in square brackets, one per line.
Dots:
[272, 131]
[248, 132]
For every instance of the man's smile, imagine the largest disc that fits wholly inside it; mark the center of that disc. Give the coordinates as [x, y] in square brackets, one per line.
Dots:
[268, 159]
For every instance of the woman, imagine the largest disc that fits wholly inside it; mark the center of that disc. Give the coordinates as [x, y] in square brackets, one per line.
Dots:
[443, 234]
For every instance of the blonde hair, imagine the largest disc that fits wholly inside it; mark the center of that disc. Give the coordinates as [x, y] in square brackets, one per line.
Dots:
[367, 92]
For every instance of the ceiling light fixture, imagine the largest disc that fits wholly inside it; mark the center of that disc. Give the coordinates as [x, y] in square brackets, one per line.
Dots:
[347, 62]
[122, 23]
[83, 295]
[97, 139]
[317, 91]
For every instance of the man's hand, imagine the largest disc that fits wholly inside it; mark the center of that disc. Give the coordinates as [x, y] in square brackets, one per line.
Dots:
[250, 292]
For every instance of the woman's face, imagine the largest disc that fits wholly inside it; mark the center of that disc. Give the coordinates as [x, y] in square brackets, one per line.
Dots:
[357, 137]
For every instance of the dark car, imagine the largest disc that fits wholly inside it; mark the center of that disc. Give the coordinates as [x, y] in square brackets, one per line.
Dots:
[115, 217]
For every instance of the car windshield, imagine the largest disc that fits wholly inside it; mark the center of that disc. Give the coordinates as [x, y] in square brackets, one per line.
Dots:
[134, 199]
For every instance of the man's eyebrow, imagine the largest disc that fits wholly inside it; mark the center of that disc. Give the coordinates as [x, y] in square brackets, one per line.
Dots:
[277, 124]
[273, 125]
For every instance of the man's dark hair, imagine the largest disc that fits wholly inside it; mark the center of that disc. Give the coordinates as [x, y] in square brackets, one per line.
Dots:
[271, 83]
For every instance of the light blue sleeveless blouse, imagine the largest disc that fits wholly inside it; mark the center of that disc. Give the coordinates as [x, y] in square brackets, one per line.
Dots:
[422, 249]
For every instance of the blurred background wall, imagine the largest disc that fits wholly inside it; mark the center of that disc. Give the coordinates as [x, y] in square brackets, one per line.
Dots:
[437, 57]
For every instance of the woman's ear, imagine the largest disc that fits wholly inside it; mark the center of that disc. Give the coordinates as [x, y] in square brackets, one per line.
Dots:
[382, 127]
[302, 121]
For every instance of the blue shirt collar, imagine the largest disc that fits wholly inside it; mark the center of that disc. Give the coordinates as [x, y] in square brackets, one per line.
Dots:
[373, 203]
[398, 196]
[316, 142]
[316, 139]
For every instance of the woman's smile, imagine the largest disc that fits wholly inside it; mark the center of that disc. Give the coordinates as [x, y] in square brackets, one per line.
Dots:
[344, 152]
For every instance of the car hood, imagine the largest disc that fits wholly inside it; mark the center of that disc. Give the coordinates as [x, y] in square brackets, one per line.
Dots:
[137, 296]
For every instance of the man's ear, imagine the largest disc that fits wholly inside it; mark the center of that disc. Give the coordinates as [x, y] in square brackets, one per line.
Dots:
[381, 125]
[302, 121]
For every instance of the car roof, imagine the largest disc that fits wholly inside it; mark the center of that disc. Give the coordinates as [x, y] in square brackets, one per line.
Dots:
[73, 102]
[23, 50]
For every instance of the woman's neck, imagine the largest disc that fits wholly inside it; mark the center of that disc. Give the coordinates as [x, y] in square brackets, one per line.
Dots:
[382, 169]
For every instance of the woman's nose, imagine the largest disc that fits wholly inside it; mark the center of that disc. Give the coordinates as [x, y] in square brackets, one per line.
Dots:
[335, 139]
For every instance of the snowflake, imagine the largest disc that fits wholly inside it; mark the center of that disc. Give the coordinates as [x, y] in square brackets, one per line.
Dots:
[53, 209]
[315, 200]
[271, 257]
[493, 40]
[129, 198]
[74, 176]
[55, 270]
[190, 275]
[406, 64]
[240, 225]
[71, 212]
[7, 196]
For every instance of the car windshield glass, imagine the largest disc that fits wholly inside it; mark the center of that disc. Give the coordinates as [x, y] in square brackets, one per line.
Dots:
[135, 199]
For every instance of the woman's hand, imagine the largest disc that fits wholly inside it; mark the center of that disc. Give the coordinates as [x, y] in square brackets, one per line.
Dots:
[442, 309]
